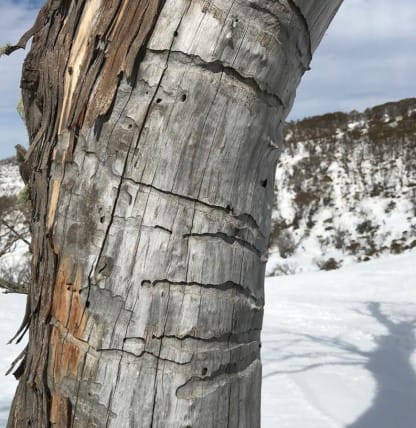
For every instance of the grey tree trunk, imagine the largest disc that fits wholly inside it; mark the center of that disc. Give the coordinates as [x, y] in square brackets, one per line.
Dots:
[155, 130]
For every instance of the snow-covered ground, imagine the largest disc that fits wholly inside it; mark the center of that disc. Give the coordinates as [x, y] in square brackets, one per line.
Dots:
[11, 313]
[338, 347]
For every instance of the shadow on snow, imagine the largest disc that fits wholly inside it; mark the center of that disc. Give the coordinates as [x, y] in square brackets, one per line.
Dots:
[394, 404]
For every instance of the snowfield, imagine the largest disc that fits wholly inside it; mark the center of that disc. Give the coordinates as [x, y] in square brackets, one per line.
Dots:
[11, 314]
[338, 347]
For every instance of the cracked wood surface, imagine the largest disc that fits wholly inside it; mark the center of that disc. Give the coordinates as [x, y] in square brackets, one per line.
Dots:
[155, 130]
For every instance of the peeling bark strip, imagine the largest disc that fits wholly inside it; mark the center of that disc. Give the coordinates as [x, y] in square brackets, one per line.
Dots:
[154, 127]
[109, 41]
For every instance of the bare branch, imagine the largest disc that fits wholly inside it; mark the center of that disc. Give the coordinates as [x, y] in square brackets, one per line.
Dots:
[13, 287]
[15, 232]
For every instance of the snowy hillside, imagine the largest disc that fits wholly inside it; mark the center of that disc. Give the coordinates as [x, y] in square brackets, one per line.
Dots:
[10, 181]
[338, 347]
[345, 189]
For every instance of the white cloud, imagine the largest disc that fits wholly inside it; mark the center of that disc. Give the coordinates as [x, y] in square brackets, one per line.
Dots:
[374, 20]
[15, 19]
[366, 58]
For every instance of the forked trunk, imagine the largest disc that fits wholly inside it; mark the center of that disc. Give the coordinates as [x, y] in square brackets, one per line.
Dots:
[155, 129]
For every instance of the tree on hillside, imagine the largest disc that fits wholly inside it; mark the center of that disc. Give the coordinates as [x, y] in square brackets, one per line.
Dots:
[154, 133]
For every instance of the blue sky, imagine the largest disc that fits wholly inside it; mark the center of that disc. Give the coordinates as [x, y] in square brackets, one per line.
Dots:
[367, 57]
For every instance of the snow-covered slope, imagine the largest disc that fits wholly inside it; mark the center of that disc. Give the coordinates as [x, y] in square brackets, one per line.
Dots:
[338, 347]
[10, 180]
[345, 189]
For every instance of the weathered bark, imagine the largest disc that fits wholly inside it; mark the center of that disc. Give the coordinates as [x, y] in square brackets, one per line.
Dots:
[154, 130]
